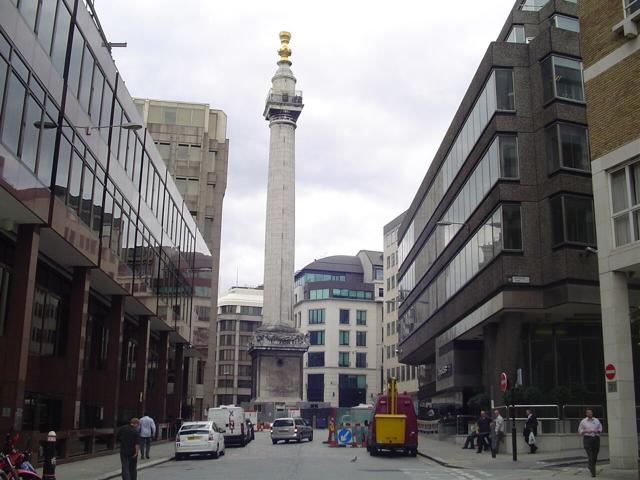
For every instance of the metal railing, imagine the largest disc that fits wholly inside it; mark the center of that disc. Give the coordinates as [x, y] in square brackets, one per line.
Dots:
[295, 98]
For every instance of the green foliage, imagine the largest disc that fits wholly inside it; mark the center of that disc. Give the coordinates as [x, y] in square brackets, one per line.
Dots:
[532, 396]
[479, 401]
[560, 395]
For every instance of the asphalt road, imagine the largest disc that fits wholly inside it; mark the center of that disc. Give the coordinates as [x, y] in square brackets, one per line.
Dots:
[306, 461]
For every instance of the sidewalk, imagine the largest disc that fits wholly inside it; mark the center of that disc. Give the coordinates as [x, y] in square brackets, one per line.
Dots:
[563, 464]
[108, 466]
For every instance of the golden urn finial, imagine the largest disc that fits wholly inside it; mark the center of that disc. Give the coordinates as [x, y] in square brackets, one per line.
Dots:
[284, 51]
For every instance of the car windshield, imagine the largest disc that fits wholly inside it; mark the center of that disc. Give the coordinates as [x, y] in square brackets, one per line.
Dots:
[283, 423]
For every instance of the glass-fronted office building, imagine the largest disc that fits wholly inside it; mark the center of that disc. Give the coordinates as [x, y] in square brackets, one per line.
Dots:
[496, 265]
[96, 244]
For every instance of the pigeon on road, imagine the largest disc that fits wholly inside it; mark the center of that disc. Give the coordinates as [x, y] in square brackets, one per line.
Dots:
[354, 459]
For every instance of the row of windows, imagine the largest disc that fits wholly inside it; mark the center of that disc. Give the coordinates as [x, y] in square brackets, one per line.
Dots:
[241, 309]
[176, 115]
[317, 316]
[518, 35]
[625, 201]
[391, 328]
[320, 277]
[402, 373]
[497, 95]
[499, 162]
[502, 231]
[319, 294]
[316, 359]
[392, 259]
[52, 23]
[227, 370]
[244, 325]
[230, 354]
[348, 293]
[344, 335]
[391, 350]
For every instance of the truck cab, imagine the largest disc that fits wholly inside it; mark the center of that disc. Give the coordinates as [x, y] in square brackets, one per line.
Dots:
[394, 424]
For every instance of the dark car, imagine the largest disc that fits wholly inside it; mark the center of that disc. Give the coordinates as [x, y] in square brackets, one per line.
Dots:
[249, 430]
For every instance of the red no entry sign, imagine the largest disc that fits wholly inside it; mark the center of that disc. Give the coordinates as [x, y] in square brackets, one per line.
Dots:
[610, 372]
[503, 382]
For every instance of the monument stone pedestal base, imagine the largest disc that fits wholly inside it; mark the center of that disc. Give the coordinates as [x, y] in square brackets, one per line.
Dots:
[277, 354]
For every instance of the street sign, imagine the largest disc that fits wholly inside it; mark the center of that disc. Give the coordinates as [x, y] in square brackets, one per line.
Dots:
[504, 383]
[344, 436]
[610, 372]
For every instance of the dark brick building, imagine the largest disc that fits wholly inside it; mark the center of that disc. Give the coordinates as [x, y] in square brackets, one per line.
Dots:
[495, 269]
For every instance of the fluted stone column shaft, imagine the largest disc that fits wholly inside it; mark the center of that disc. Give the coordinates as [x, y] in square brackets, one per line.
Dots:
[280, 226]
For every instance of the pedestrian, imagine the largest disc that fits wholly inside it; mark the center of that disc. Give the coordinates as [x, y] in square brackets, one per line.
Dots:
[484, 432]
[590, 428]
[498, 429]
[129, 438]
[470, 440]
[530, 431]
[147, 432]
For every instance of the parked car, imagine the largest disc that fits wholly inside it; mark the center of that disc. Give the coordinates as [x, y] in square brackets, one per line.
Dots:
[202, 438]
[288, 429]
[249, 430]
[232, 420]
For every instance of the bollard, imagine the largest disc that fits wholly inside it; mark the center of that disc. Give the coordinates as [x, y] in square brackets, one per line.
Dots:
[49, 469]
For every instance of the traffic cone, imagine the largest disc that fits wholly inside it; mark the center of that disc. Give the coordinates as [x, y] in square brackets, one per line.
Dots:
[332, 439]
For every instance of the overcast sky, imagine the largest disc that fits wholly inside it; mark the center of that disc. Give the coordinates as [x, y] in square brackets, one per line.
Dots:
[381, 83]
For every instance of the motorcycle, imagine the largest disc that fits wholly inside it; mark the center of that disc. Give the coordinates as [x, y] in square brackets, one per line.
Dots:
[16, 464]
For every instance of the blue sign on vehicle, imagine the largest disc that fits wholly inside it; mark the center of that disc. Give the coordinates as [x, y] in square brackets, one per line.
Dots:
[344, 436]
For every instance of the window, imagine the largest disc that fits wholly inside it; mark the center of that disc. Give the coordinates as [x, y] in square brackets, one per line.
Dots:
[343, 359]
[243, 370]
[516, 35]
[573, 220]
[227, 340]
[566, 23]
[316, 316]
[315, 359]
[204, 313]
[229, 325]
[378, 273]
[511, 228]
[228, 309]
[504, 90]
[361, 360]
[631, 6]
[532, 5]
[344, 317]
[347, 293]
[361, 339]
[344, 337]
[226, 355]
[319, 294]
[361, 317]
[568, 147]
[225, 370]
[316, 337]
[45, 324]
[247, 310]
[625, 203]
[562, 78]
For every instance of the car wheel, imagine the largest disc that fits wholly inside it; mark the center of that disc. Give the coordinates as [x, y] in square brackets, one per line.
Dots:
[179, 457]
[311, 437]
[373, 451]
[274, 441]
[215, 454]
[299, 439]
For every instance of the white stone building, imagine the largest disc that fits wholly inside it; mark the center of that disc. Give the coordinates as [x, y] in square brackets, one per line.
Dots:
[407, 375]
[338, 302]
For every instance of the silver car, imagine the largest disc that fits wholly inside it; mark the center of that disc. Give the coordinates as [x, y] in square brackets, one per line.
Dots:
[290, 429]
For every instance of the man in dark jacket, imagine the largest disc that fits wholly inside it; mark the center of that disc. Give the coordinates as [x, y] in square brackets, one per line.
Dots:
[129, 438]
[531, 427]
[484, 431]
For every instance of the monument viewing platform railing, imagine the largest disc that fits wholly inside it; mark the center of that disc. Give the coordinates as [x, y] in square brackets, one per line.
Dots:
[295, 98]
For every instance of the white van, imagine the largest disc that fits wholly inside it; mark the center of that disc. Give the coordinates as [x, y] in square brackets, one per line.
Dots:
[232, 420]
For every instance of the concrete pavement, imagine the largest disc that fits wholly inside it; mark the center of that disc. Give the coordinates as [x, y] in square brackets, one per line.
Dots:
[108, 466]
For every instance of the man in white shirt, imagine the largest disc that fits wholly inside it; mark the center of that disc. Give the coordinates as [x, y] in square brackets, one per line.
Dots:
[147, 432]
[590, 428]
[498, 425]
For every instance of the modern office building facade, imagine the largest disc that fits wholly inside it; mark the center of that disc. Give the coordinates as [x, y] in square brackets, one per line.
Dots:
[611, 53]
[239, 315]
[191, 139]
[338, 304]
[496, 265]
[406, 375]
[96, 242]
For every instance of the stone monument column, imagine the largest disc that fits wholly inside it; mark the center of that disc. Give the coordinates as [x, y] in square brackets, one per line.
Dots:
[277, 347]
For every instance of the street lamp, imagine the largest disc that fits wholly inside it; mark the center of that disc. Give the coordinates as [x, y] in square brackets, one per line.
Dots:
[445, 223]
[87, 129]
